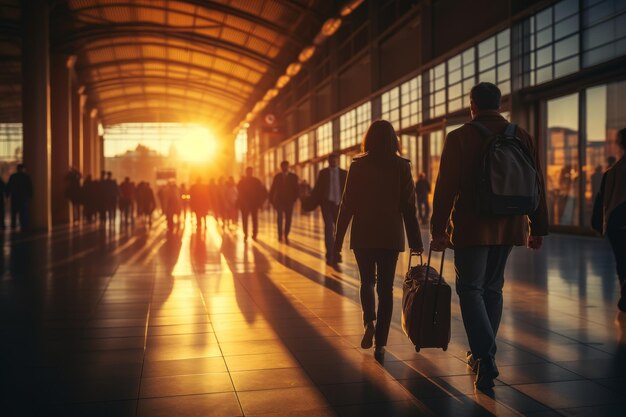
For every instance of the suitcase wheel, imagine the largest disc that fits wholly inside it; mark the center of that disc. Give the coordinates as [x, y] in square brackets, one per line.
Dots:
[417, 349]
[445, 348]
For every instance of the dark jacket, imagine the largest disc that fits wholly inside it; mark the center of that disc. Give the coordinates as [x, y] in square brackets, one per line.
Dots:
[455, 210]
[322, 188]
[252, 193]
[379, 194]
[422, 189]
[19, 188]
[284, 190]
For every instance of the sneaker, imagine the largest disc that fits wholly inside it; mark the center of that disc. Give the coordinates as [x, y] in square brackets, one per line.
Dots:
[368, 335]
[471, 362]
[379, 354]
[487, 372]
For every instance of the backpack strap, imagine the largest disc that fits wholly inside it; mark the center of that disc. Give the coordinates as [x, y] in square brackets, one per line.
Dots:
[486, 133]
[510, 130]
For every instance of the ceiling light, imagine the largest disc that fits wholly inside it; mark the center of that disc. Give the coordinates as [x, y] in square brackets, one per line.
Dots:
[331, 26]
[282, 81]
[349, 8]
[306, 53]
[293, 69]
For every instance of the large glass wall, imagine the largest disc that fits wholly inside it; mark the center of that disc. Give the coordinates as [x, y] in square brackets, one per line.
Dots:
[10, 148]
[325, 139]
[390, 103]
[562, 161]
[604, 118]
[353, 124]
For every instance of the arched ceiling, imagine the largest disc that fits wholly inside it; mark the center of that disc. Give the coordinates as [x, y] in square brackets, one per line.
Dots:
[172, 60]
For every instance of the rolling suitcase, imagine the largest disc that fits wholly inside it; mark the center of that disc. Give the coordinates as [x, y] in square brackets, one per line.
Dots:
[426, 306]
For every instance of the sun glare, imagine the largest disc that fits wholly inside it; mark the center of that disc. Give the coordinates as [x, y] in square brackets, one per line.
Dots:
[198, 145]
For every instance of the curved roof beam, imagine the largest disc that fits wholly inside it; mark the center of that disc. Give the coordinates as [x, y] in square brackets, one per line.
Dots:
[159, 31]
[122, 82]
[140, 43]
[121, 62]
[223, 8]
[147, 113]
[165, 97]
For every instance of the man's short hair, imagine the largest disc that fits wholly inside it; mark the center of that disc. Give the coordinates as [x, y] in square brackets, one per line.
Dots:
[333, 155]
[486, 96]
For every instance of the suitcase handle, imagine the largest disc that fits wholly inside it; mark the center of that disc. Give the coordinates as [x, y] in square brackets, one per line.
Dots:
[430, 252]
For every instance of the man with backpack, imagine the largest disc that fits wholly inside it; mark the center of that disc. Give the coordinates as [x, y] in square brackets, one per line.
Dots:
[488, 198]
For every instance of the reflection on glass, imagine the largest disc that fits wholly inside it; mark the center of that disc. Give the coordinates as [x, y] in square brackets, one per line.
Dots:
[563, 171]
[605, 117]
[436, 147]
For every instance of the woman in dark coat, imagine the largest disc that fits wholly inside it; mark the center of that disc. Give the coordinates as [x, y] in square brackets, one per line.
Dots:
[379, 199]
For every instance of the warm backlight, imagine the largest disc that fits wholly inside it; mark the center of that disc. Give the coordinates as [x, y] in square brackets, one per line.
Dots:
[198, 145]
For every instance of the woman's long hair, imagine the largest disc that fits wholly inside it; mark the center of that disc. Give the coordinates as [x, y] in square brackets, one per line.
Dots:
[381, 139]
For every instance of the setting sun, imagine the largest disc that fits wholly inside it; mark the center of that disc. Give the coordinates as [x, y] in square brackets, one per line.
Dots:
[198, 145]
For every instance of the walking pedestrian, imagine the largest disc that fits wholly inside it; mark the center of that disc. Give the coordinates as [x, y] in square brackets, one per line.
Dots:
[613, 214]
[482, 242]
[379, 199]
[283, 196]
[20, 192]
[252, 195]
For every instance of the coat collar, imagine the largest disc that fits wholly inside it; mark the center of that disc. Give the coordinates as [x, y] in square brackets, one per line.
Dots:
[489, 115]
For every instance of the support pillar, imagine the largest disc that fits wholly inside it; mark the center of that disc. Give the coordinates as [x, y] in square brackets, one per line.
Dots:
[78, 104]
[88, 145]
[36, 108]
[61, 125]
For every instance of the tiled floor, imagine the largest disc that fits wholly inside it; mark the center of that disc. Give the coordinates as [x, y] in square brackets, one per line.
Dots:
[137, 322]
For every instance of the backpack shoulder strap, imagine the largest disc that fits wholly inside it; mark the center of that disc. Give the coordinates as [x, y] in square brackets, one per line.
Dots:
[510, 130]
[482, 129]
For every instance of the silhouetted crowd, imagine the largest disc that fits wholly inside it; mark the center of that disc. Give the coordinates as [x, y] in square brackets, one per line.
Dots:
[98, 200]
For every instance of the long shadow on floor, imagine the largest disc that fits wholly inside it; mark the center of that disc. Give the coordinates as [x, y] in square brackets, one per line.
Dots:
[351, 385]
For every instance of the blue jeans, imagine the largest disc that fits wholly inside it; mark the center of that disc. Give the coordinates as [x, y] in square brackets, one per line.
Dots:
[479, 282]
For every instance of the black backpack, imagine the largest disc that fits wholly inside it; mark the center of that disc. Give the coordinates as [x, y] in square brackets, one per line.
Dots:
[509, 181]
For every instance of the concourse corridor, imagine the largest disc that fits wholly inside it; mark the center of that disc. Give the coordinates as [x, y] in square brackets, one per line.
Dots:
[145, 322]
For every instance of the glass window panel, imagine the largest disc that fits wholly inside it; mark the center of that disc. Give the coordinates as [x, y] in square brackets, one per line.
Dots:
[454, 77]
[454, 91]
[504, 72]
[454, 63]
[544, 56]
[562, 167]
[504, 55]
[455, 104]
[543, 75]
[566, 27]
[598, 35]
[487, 62]
[598, 55]
[597, 13]
[468, 70]
[440, 70]
[504, 38]
[566, 48]
[566, 67]
[468, 56]
[544, 37]
[505, 87]
[543, 19]
[486, 47]
[604, 119]
[488, 76]
[440, 83]
[564, 9]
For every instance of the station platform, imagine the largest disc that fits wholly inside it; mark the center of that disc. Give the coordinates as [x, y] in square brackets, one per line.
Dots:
[140, 321]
